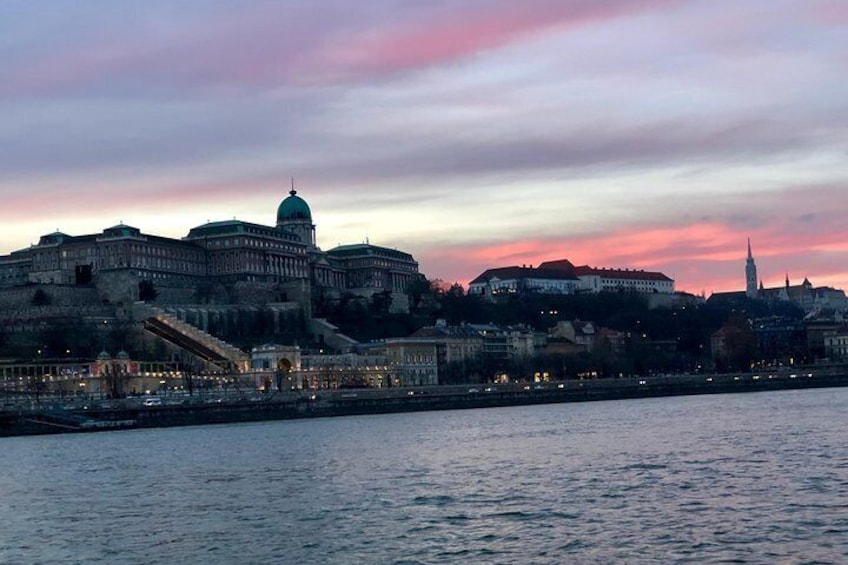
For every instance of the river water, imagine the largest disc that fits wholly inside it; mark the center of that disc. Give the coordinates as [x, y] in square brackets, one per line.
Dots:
[743, 478]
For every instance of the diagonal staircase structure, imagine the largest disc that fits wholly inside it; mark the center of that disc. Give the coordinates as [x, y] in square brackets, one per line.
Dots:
[200, 344]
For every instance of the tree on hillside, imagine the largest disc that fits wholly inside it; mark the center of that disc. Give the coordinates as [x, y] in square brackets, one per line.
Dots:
[416, 291]
[41, 298]
[381, 302]
[740, 345]
[203, 291]
[147, 291]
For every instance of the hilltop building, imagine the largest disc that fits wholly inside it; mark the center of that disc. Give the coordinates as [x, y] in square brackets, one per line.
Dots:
[563, 277]
[255, 263]
[806, 296]
[516, 280]
[750, 274]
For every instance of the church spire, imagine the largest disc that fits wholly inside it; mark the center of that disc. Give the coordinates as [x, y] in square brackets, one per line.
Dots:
[750, 274]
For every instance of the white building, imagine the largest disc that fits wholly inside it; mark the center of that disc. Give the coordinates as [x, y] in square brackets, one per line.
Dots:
[415, 361]
[594, 279]
[836, 344]
[562, 277]
[515, 280]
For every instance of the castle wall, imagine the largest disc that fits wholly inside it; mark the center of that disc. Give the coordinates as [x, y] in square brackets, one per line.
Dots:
[59, 295]
[255, 293]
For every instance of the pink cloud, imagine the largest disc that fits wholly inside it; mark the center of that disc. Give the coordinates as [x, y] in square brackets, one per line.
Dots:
[274, 44]
[699, 256]
[441, 37]
[831, 13]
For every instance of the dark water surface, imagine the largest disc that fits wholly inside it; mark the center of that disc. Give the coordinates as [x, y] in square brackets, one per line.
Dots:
[746, 478]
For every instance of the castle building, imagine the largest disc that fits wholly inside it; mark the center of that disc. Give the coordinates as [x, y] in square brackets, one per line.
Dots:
[750, 274]
[516, 280]
[806, 296]
[283, 257]
[563, 277]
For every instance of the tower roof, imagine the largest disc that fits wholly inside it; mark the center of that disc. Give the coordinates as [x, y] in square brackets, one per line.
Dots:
[293, 208]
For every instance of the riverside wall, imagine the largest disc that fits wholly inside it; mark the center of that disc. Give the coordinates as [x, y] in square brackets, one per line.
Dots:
[211, 410]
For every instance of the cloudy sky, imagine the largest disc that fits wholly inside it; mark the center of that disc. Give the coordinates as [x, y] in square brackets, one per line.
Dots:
[653, 134]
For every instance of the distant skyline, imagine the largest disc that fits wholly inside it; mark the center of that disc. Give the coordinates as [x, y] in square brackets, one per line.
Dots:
[651, 134]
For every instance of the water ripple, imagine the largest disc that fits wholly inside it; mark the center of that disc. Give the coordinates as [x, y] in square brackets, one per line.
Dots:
[757, 478]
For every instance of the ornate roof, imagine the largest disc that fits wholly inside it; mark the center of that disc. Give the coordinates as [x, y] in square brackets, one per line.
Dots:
[293, 208]
[121, 230]
[359, 249]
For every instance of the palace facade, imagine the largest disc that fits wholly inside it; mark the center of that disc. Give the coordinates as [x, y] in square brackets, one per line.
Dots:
[121, 259]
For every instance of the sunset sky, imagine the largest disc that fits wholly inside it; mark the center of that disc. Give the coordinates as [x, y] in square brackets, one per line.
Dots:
[652, 134]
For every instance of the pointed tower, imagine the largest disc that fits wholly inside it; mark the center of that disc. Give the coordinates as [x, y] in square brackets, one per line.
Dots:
[750, 274]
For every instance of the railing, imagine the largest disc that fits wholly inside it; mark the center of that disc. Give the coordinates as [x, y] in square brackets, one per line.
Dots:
[196, 341]
[187, 343]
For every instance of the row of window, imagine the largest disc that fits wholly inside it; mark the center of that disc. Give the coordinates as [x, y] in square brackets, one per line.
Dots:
[155, 275]
[254, 242]
[370, 262]
[634, 282]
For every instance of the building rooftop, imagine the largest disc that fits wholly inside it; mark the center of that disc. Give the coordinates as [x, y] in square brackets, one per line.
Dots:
[364, 249]
[507, 273]
[293, 208]
[585, 270]
[623, 274]
[227, 227]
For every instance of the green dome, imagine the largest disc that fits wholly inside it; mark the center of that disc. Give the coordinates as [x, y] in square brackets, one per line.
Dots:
[293, 208]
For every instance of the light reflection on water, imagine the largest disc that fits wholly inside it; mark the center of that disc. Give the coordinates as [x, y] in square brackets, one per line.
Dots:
[749, 478]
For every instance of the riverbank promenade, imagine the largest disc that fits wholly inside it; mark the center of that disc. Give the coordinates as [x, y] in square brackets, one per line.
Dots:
[26, 416]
